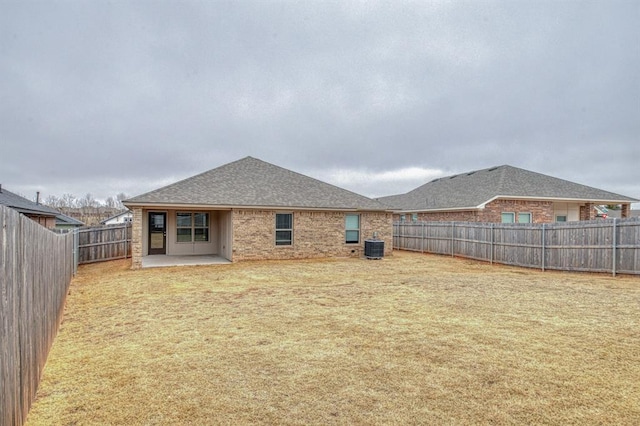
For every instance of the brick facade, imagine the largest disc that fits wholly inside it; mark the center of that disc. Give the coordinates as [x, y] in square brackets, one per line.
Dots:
[136, 239]
[315, 234]
[541, 212]
[625, 211]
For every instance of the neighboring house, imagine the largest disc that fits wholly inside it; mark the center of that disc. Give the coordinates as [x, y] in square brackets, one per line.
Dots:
[66, 222]
[617, 214]
[44, 215]
[250, 209]
[503, 194]
[125, 216]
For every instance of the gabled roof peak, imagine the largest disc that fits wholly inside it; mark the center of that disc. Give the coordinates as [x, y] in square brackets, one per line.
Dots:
[475, 188]
[252, 182]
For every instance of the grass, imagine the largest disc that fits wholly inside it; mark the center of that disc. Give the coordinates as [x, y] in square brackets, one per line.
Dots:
[410, 339]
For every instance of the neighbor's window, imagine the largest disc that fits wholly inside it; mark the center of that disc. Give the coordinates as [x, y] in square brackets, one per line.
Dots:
[414, 217]
[562, 218]
[508, 217]
[403, 217]
[524, 217]
[192, 227]
[352, 227]
[284, 229]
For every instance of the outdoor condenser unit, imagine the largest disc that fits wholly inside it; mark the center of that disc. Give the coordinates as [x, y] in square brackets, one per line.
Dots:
[374, 249]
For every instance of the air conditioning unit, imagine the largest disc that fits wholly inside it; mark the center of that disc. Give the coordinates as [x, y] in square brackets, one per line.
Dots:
[374, 249]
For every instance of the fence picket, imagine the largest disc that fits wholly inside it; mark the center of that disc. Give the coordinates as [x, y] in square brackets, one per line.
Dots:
[611, 245]
[36, 266]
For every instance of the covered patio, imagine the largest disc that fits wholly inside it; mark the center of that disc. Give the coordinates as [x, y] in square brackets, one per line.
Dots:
[159, 260]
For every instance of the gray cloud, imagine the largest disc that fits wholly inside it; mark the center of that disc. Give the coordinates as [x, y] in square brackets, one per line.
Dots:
[120, 97]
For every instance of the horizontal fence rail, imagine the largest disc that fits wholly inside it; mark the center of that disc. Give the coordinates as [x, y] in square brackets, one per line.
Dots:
[611, 245]
[102, 243]
[36, 266]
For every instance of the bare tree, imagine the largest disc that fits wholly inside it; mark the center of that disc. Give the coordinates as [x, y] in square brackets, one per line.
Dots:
[111, 203]
[121, 197]
[52, 201]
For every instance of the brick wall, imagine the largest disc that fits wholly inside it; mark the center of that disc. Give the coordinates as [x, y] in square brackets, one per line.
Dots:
[136, 239]
[587, 212]
[315, 234]
[541, 212]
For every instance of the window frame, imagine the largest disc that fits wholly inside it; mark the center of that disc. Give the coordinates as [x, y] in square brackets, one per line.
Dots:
[525, 213]
[348, 230]
[193, 227]
[283, 242]
[513, 217]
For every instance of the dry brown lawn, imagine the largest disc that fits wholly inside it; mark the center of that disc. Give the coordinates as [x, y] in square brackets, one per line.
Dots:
[410, 339]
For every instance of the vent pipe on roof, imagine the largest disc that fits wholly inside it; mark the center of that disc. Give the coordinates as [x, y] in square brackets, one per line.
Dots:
[37, 197]
[0, 188]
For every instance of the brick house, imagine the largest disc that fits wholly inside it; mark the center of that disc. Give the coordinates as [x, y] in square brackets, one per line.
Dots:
[250, 209]
[503, 194]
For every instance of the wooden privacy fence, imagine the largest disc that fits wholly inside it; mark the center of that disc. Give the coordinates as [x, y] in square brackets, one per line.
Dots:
[36, 266]
[102, 243]
[611, 245]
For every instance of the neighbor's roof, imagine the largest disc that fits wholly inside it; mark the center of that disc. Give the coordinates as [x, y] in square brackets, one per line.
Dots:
[117, 215]
[63, 219]
[474, 189]
[250, 182]
[22, 205]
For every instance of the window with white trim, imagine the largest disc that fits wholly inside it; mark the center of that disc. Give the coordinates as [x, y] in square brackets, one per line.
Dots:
[524, 217]
[508, 217]
[284, 229]
[352, 229]
[192, 227]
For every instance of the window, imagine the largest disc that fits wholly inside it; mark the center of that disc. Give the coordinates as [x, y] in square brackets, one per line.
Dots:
[284, 229]
[561, 218]
[414, 217]
[524, 217]
[352, 227]
[192, 227]
[508, 217]
[403, 217]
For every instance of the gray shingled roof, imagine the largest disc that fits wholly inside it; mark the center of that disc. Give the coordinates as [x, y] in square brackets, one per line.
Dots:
[63, 219]
[255, 183]
[21, 204]
[473, 189]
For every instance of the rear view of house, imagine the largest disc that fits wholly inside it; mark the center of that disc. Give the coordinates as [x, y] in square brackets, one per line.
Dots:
[250, 209]
[503, 194]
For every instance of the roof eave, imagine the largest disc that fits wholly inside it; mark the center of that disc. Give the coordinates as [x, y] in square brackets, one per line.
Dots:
[515, 197]
[562, 199]
[174, 206]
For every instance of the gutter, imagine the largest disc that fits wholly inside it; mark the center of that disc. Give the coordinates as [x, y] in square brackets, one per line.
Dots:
[170, 206]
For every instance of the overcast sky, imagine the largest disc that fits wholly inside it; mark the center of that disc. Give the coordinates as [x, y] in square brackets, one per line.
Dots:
[105, 97]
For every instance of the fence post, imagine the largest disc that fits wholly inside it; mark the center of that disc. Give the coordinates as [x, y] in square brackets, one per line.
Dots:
[492, 243]
[543, 244]
[76, 255]
[422, 239]
[453, 229]
[615, 243]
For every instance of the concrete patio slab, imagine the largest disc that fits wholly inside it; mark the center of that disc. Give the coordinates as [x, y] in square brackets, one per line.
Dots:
[159, 260]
